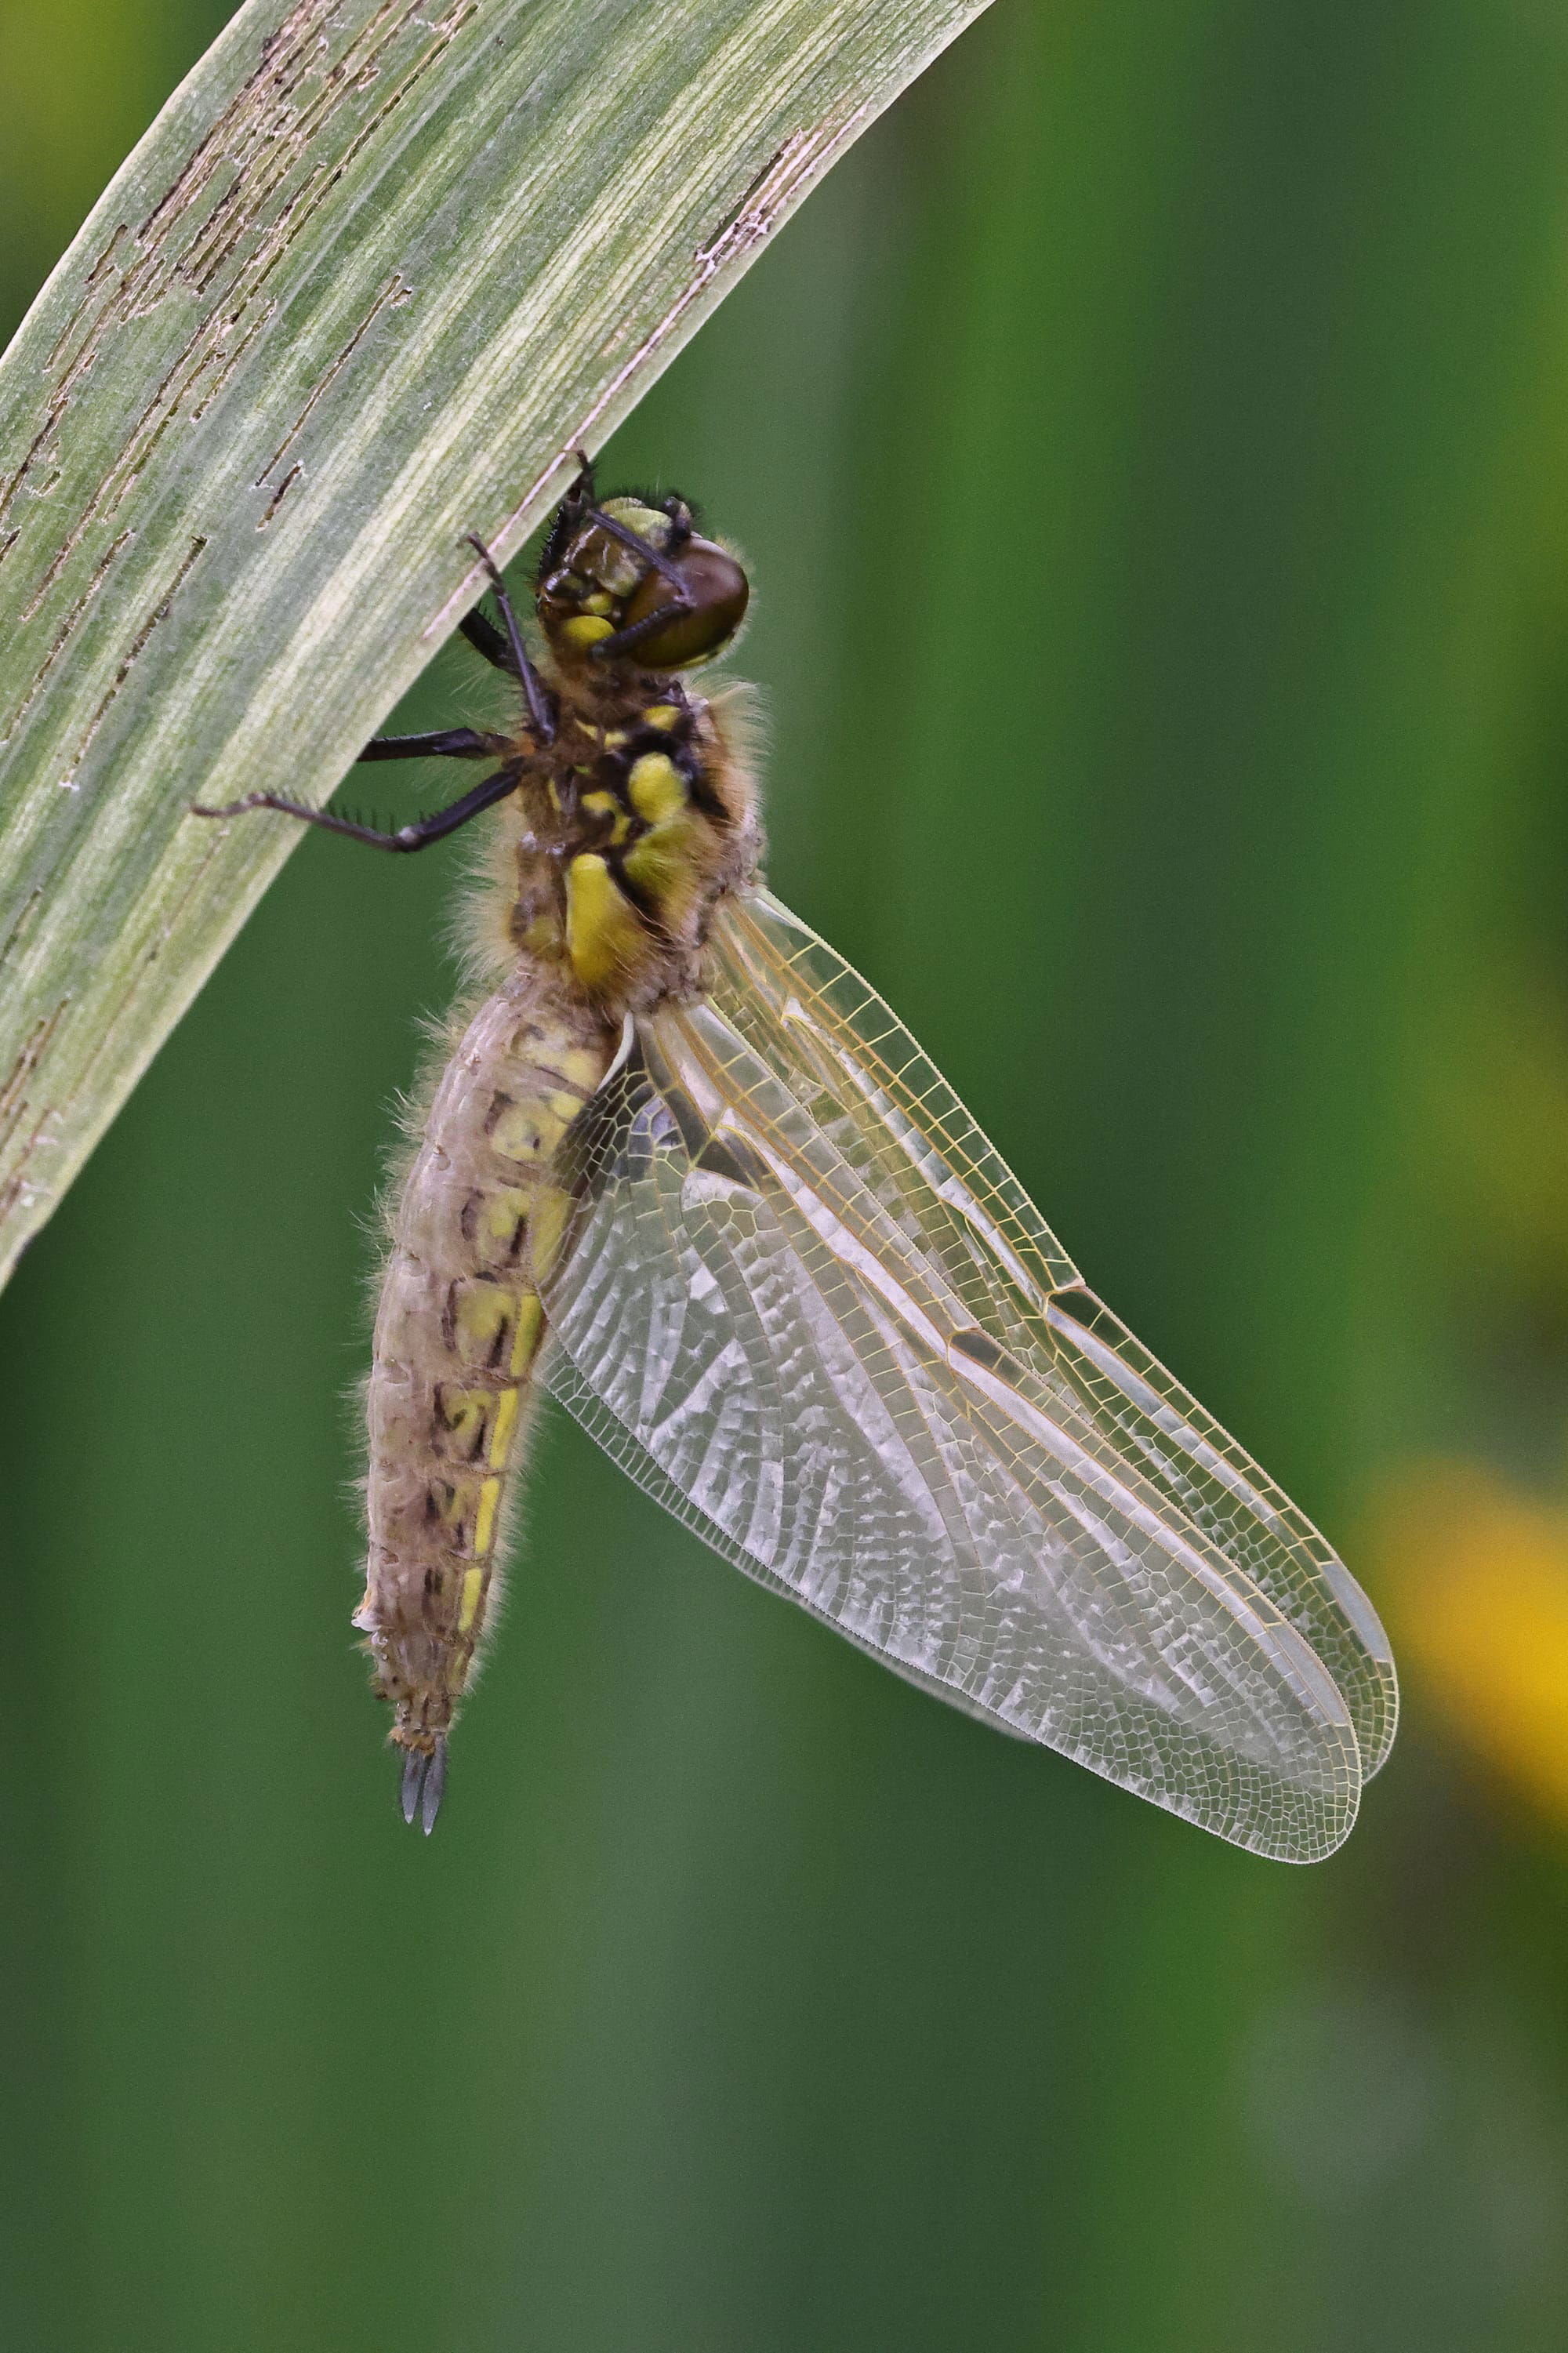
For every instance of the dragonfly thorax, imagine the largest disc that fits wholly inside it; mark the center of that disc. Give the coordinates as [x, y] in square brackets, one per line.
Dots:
[634, 822]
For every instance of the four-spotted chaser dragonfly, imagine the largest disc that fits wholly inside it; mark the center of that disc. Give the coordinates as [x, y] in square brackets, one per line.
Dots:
[687, 1172]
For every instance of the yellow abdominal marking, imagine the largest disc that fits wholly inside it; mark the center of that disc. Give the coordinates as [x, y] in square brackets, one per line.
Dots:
[485, 1523]
[551, 1220]
[518, 1132]
[480, 1314]
[580, 1069]
[529, 1324]
[465, 1413]
[459, 1328]
[505, 1423]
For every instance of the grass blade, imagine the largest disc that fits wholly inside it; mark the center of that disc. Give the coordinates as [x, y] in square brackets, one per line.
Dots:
[373, 275]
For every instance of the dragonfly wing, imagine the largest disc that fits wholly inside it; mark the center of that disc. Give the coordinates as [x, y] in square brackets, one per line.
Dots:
[754, 1333]
[804, 1011]
[565, 1384]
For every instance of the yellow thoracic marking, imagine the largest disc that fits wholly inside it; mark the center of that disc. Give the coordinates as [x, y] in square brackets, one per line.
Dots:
[586, 629]
[603, 934]
[665, 858]
[469, 1608]
[505, 1423]
[599, 602]
[662, 715]
[656, 788]
[485, 1523]
[530, 1317]
[603, 805]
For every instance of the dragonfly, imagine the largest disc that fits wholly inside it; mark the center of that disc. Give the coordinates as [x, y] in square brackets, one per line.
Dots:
[683, 1170]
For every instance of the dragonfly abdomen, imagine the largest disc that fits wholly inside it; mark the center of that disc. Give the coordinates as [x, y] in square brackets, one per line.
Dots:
[457, 1336]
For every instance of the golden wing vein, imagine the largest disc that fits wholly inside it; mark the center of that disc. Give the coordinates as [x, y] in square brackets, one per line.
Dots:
[829, 1350]
[796, 1001]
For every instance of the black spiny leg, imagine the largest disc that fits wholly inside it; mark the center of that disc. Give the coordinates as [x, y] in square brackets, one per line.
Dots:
[486, 638]
[418, 835]
[622, 641]
[444, 743]
[541, 717]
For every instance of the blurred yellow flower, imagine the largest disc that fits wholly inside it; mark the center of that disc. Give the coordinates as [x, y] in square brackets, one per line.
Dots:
[1475, 1577]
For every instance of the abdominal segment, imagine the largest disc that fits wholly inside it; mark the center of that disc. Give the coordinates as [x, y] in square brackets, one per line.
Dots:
[457, 1336]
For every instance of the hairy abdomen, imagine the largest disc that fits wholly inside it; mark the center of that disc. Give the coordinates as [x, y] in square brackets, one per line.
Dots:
[457, 1336]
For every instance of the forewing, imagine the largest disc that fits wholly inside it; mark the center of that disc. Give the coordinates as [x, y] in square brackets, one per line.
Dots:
[807, 1013]
[765, 1345]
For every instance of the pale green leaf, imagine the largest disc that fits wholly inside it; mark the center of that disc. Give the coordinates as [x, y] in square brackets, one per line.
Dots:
[375, 273]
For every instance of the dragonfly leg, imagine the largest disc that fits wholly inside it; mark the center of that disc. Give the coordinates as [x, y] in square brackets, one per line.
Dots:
[510, 654]
[623, 640]
[443, 743]
[417, 836]
[486, 638]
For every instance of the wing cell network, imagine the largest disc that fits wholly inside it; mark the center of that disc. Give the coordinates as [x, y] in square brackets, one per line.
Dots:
[797, 1002]
[802, 1302]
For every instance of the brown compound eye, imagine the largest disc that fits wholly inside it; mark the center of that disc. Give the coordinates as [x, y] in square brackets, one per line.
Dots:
[717, 591]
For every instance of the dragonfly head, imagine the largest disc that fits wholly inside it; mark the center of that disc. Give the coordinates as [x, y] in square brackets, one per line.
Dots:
[628, 581]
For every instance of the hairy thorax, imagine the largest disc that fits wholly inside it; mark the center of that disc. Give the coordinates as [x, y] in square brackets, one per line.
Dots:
[624, 834]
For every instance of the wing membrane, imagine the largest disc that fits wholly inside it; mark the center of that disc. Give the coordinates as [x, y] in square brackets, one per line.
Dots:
[803, 1009]
[805, 1306]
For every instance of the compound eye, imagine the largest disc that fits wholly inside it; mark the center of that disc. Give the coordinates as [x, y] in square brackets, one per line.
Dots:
[718, 592]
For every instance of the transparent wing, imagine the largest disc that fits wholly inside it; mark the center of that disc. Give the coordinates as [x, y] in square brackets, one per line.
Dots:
[566, 1385]
[805, 1012]
[824, 1356]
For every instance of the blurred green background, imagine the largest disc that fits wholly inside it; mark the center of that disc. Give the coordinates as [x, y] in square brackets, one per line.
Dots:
[1152, 449]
